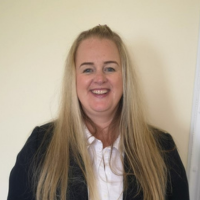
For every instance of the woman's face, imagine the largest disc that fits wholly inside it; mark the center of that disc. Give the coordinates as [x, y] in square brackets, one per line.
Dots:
[98, 77]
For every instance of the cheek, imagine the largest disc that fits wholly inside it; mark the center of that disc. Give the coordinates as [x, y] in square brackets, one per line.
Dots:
[78, 83]
[78, 86]
[81, 81]
[82, 84]
[118, 83]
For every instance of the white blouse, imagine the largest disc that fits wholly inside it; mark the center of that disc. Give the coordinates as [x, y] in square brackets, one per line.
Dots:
[108, 168]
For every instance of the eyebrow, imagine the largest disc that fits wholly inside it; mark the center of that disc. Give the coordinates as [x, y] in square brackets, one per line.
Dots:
[86, 63]
[91, 63]
[110, 62]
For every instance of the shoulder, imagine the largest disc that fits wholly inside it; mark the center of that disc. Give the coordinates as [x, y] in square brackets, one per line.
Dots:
[41, 132]
[163, 139]
[177, 185]
[40, 136]
[169, 151]
[168, 148]
[21, 176]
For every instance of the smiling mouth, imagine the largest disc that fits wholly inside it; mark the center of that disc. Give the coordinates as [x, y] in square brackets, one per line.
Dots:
[100, 91]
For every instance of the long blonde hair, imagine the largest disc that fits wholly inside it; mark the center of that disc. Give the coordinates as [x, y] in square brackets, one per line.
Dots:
[137, 140]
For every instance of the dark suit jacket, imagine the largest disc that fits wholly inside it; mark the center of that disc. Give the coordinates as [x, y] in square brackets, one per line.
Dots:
[20, 187]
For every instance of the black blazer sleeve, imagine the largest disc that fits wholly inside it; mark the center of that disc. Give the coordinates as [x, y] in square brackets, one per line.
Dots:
[21, 176]
[177, 186]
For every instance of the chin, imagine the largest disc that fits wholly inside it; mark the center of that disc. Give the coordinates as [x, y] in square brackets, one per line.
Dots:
[100, 108]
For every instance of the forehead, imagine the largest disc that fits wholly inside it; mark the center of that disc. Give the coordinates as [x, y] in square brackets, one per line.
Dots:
[97, 48]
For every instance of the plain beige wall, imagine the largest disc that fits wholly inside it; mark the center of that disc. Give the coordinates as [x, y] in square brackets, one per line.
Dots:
[34, 40]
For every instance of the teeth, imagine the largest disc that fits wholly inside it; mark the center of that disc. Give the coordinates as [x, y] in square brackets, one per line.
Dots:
[99, 91]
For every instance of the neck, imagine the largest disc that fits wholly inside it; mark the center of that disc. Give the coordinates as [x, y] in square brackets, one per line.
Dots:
[101, 126]
[102, 130]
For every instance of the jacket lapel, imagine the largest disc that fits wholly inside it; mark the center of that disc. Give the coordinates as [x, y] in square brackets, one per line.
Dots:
[130, 192]
[77, 186]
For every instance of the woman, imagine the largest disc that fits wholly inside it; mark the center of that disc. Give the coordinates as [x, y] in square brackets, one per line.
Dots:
[100, 147]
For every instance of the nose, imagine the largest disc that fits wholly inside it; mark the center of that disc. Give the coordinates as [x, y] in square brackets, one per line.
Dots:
[100, 77]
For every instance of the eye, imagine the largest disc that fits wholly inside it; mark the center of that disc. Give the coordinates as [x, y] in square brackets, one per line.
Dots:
[87, 70]
[109, 69]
